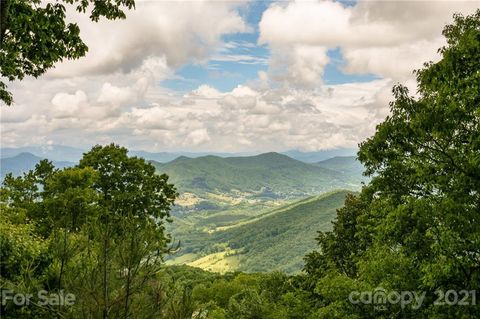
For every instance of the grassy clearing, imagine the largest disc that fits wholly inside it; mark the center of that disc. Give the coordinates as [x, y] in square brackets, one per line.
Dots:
[220, 262]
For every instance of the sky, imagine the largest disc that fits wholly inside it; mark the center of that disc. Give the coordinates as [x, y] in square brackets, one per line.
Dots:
[231, 76]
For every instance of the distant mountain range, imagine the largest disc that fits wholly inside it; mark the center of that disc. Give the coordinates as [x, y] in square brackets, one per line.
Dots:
[271, 175]
[24, 162]
[268, 175]
[349, 166]
[165, 157]
[314, 157]
[52, 152]
[73, 154]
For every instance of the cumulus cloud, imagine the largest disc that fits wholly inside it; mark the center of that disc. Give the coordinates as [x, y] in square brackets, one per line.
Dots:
[197, 137]
[386, 38]
[114, 94]
[205, 91]
[67, 105]
[204, 119]
[178, 31]
[306, 63]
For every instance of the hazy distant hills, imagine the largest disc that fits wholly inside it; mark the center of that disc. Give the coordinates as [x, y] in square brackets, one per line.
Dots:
[307, 157]
[275, 240]
[343, 164]
[349, 166]
[52, 152]
[24, 162]
[165, 157]
[73, 154]
[314, 157]
[267, 175]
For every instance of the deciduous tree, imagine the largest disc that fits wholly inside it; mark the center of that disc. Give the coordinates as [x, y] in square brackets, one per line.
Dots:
[34, 35]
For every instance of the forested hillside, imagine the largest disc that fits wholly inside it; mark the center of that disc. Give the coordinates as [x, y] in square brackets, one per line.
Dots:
[252, 183]
[269, 174]
[275, 240]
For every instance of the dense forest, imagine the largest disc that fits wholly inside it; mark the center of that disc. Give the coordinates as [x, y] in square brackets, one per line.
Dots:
[95, 233]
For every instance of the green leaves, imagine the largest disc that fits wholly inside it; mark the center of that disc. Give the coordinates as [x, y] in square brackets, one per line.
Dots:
[33, 36]
[95, 230]
[129, 185]
[415, 226]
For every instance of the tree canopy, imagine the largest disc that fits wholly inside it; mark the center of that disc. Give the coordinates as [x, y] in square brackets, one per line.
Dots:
[96, 229]
[34, 35]
[415, 227]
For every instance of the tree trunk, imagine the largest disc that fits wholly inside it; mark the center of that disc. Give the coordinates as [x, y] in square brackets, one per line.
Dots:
[105, 271]
[4, 6]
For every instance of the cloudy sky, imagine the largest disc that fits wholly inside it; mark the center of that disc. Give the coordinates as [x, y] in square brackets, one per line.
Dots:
[231, 76]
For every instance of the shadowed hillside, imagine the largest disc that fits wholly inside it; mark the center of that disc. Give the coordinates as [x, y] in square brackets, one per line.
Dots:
[276, 240]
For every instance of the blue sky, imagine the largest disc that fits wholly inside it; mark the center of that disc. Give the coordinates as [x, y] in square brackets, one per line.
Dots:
[224, 73]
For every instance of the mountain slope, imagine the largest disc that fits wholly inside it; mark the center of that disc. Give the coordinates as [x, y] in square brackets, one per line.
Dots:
[314, 157]
[349, 166]
[52, 152]
[342, 164]
[24, 162]
[264, 175]
[277, 240]
[281, 240]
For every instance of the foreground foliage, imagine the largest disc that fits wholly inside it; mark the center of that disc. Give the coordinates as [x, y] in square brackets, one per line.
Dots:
[35, 35]
[97, 229]
[415, 227]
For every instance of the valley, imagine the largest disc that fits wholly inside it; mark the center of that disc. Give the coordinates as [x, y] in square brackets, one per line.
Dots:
[248, 213]
[275, 239]
[213, 183]
[255, 213]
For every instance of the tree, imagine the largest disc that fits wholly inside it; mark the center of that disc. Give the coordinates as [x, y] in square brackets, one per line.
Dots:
[33, 36]
[418, 227]
[23, 259]
[95, 230]
[134, 202]
[69, 201]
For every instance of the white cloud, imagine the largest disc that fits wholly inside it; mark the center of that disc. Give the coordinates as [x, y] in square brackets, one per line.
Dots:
[393, 62]
[197, 137]
[205, 91]
[240, 120]
[178, 31]
[116, 96]
[68, 105]
[386, 38]
[304, 23]
[307, 63]
[114, 93]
